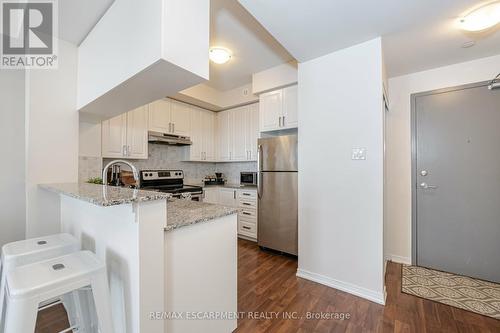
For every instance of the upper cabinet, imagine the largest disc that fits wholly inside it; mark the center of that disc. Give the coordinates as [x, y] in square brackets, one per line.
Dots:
[126, 136]
[202, 134]
[237, 134]
[169, 117]
[278, 109]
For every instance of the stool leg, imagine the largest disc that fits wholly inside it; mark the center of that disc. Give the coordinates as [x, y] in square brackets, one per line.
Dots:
[21, 316]
[100, 291]
[2, 297]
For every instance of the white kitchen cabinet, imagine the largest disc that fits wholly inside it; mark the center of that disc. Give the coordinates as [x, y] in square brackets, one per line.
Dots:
[137, 133]
[238, 146]
[114, 136]
[224, 136]
[278, 109]
[244, 199]
[211, 195]
[237, 134]
[228, 197]
[251, 131]
[208, 135]
[126, 136]
[271, 110]
[290, 107]
[179, 117]
[202, 135]
[159, 116]
[170, 117]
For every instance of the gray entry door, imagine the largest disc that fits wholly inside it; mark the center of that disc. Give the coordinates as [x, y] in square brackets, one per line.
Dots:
[457, 181]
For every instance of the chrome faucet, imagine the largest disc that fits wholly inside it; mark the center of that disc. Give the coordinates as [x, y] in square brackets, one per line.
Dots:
[105, 171]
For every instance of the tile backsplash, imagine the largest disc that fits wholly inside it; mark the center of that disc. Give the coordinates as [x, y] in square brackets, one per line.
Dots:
[171, 157]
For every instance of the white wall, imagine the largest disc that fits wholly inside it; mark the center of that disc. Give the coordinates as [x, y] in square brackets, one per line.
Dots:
[136, 54]
[398, 146]
[12, 167]
[341, 200]
[274, 78]
[52, 139]
[90, 139]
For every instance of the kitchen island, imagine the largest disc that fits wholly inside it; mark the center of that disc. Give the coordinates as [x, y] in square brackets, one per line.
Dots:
[172, 264]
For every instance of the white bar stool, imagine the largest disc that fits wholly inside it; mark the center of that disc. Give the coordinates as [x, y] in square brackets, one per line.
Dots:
[30, 251]
[30, 285]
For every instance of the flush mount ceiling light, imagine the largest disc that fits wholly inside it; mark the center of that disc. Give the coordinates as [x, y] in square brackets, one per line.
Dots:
[219, 55]
[481, 18]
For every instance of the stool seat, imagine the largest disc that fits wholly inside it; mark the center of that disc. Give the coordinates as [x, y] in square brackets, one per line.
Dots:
[24, 251]
[43, 276]
[29, 285]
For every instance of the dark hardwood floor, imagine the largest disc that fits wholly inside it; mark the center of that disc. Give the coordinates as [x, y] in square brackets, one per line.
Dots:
[268, 287]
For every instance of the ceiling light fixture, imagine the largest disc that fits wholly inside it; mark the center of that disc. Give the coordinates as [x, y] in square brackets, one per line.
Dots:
[481, 18]
[219, 55]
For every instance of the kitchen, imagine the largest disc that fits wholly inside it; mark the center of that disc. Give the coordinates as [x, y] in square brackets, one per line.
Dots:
[250, 166]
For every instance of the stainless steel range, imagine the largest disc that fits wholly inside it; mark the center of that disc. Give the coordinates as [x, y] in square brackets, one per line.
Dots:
[169, 181]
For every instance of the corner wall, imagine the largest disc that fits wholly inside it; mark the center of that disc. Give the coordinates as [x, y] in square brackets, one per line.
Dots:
[398, 147]
[341, 200]
[12, 168]
[52, 139]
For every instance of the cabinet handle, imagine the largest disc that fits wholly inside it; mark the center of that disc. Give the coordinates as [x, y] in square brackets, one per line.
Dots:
[247, 194]
[234, 194]
[246, 204]
[283, 121]
[245, 213]
[279, 121]
[169, 127]
[124, 150]
[173, 127]
[128, 150]
[245, 227]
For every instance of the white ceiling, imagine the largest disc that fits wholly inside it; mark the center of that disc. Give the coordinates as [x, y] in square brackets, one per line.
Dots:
[417, 34]
[254, 49]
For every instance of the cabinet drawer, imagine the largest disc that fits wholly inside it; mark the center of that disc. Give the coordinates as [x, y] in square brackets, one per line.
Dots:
[248, 214]
[247, 229]
[247, 195]
[248, 204]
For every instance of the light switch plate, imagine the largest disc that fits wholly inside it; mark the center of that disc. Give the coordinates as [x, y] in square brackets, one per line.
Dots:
[358, 154]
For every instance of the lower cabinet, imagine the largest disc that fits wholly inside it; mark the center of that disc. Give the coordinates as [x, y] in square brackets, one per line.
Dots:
[245, 199]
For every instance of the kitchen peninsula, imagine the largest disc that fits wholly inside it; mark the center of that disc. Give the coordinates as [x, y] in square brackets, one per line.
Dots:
[163, 255]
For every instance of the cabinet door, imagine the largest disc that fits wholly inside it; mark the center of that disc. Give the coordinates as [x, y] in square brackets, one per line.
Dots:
[180, 119]
[223, 136]
[114, 136]
[211, 195]
[208, 130]
[159, 116]
[197, 127]
[137, 133]
[290, 107]
[237, 127]
[228, 197]
[252, 131]
[270, 110]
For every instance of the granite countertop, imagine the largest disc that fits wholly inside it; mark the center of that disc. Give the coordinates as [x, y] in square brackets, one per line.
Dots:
[104, 195]
[181, 213]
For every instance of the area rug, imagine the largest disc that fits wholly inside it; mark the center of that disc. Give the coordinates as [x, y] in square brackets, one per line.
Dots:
[459, 291]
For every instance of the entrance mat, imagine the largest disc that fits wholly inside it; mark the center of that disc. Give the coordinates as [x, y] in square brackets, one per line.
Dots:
[459, 291]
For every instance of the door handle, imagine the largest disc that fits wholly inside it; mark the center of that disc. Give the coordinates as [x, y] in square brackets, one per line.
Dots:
[426, 186]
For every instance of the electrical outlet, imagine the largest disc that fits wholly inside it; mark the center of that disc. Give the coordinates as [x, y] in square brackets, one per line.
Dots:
[358, 154]
[245, 92]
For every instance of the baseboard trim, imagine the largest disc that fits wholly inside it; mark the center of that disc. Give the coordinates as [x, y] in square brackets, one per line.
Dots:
[343, 286]
[398, 259]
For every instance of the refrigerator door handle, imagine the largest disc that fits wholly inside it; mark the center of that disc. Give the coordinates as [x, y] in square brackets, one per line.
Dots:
[259, 170]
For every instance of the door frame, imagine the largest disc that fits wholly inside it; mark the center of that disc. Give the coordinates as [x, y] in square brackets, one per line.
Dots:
[413, 124]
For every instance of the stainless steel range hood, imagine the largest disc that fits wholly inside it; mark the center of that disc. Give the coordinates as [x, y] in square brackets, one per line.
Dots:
[169, 139]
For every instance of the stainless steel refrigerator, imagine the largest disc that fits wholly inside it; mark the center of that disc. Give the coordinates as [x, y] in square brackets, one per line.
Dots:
[277, 192]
